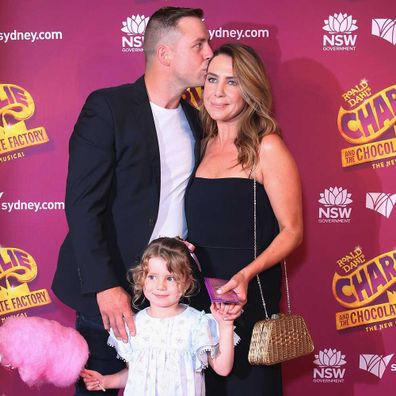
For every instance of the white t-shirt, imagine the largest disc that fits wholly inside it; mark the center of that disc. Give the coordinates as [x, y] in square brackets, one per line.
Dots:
[176, 146]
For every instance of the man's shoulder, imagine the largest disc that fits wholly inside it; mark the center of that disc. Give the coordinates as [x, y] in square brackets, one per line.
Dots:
[130, 90]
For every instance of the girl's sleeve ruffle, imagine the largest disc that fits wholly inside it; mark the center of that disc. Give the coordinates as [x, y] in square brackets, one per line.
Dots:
[206, 341]
[124, 350]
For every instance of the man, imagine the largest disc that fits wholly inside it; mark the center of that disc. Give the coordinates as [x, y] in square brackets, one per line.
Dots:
[132, 152]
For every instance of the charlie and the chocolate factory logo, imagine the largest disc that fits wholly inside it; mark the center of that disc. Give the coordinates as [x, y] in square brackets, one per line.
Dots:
[17, 269]
[17, 106]
[368, 124]
[366, 287]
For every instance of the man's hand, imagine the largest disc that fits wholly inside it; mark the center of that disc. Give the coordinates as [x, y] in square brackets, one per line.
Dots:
[115, 307]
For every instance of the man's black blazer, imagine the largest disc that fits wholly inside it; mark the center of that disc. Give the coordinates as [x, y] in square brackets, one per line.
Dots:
[112, 193]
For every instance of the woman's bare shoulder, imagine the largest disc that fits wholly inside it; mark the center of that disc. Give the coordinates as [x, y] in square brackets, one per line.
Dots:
[272, 143]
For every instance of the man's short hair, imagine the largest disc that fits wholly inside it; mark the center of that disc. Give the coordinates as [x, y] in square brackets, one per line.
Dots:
[162, 22]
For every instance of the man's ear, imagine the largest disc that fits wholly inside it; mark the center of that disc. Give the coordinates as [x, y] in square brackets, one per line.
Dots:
[164, 54]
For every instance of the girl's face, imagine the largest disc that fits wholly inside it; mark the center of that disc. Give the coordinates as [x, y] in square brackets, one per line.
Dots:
[160, 286]
[222, 95]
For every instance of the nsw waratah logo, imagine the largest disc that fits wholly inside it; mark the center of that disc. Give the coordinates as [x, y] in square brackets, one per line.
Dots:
[341, 23]
[329, 362]
[335, 201]
[374, 364]
[134, 28]
[384, 28]
[381, 203]
[339, 37]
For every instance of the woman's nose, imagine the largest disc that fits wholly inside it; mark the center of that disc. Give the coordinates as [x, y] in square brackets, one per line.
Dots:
[219, 89]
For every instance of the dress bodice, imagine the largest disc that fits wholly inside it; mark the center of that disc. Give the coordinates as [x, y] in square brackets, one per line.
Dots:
[220, 220]
[220, 213]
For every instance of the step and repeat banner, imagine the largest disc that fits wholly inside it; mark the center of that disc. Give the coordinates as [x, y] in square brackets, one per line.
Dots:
[332, 69]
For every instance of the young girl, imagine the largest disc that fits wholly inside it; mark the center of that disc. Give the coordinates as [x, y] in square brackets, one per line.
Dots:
[173, 342]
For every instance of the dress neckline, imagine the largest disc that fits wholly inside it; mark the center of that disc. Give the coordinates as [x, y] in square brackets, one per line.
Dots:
[186, 308]
[227, 178]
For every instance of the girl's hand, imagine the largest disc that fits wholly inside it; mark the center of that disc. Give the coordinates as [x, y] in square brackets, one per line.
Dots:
[225, 313]
[93, 380]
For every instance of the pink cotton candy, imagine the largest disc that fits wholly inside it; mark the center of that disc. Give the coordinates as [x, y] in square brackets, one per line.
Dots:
[42, 350]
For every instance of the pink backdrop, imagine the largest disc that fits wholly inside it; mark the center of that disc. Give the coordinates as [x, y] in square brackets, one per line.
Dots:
[331, 64]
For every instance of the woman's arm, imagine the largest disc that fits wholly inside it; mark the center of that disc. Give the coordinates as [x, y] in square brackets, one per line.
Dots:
[95, 381]
[278, 172]
[223, 362]
[279, 175]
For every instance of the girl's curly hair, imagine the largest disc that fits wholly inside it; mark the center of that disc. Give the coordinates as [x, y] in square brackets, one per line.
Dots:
[178, 259]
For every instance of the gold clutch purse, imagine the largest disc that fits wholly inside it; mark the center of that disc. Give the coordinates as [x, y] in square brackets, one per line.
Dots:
[281, 337]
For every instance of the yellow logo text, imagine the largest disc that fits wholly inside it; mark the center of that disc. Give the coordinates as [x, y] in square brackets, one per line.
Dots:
[17, 269]
[370, 118]
[367, 282]
[17, 106]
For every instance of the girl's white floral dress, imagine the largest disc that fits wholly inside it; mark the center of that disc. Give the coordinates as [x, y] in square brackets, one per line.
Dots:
[167, 356]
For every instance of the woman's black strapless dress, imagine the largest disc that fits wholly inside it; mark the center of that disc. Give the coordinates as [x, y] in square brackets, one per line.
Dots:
[220, 224]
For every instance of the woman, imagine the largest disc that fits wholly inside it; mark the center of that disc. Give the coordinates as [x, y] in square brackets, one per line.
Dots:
[242, 142]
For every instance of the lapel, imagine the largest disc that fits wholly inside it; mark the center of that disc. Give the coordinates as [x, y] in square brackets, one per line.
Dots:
[195, 125]
[145, 123]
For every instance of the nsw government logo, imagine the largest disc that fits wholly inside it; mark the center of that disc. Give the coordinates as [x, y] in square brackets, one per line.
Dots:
[329, 370]
[339, 37]
[335, 201]
[134, 28]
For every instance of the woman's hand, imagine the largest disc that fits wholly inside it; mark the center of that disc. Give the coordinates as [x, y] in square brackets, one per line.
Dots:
[239, 284]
